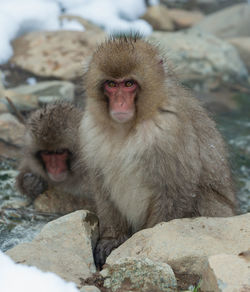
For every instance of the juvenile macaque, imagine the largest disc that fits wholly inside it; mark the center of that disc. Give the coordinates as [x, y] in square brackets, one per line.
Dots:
[52, 152]
[153, 152]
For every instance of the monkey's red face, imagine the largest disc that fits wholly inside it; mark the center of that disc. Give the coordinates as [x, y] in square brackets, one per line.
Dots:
[56, 164]
[121, 95]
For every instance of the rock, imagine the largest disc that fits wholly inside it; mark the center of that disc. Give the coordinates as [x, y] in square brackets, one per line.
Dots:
[23, 102]
[218, 23]
[3, 106]
[158, 16]
[29, 97]
[61, 203]
[226, 273]
[9, 151]
[89, 289]
[58, 54]
[133, 274]
[183, 18]
[243, 47]
[201, 59]
[185, 244]
[49, 91]
[11, 130]
[64, 246]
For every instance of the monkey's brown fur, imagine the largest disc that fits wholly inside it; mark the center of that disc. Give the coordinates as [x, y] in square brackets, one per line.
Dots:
[52, 128]
[168, 162]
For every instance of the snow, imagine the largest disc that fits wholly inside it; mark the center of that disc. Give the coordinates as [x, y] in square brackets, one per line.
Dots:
[16, 277]
[19, 17]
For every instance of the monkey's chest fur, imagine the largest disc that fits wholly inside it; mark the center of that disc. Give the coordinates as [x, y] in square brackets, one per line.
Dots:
[122, 169]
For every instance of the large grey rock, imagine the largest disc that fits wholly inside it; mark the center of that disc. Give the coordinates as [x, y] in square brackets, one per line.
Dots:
[185, 244]
[201, 58]
[139, 275]
[64, 247]
[226, 273]
[57, 54]
[231, 22]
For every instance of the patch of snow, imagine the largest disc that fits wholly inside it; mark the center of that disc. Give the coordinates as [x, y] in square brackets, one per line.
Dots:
[71, 25]
[16, 277]
[31, 80]
[19, 17]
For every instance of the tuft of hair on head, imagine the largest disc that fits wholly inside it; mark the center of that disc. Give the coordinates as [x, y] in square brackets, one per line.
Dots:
[131, 36]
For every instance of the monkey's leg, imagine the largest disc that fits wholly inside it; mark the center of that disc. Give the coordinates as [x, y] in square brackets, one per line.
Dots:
[113, 230]
[30, 184]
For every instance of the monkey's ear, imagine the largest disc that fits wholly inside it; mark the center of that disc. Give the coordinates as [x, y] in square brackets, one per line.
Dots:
[161, 66]
[161, 62]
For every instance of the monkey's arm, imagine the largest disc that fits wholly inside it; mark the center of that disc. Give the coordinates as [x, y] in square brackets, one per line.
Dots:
[166, 206]
[112, 227]
[29, 183]
[216, 202]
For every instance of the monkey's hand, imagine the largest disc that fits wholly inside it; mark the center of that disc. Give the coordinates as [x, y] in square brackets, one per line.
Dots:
[31, 184]
[104, 247]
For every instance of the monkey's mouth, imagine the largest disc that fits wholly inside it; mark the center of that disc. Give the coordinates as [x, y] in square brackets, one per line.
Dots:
[122, 117]
[58, 177]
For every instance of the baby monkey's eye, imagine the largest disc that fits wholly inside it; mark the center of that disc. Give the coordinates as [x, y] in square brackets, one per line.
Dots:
[111, 84]
[129, 83]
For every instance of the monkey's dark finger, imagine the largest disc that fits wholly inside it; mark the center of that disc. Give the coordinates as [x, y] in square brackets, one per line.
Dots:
[103, 250]
[99, 257]
[101, 253]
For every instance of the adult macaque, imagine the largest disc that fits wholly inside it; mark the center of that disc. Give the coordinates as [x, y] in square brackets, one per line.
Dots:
[153, 152]
[52, 152]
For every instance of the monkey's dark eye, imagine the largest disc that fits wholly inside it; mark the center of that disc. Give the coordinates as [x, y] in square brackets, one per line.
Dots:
[129, 83]
[111, 84]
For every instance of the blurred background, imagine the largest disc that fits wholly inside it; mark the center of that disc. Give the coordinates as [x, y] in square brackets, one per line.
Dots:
[44, 44]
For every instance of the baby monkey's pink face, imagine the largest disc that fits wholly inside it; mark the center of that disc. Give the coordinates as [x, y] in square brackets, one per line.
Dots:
[121, 95]
[55, 163]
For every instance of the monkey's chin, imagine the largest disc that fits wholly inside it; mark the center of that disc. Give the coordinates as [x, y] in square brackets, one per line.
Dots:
[60, 177]
[122, 117]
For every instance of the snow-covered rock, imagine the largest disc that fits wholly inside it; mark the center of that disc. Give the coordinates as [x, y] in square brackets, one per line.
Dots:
[63, 247]
[18, 277]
